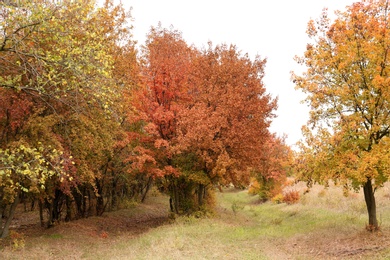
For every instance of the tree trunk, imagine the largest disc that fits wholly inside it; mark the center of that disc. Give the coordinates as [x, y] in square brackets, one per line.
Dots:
[78, 196]
[41, 212]
[68, 216]
[201, 191]
[4, 231]
[99, 199]
[176, 198]
[58, 201]
[2, 212]
[114, 195]
[49, 207]
[369, 196]
[147, 188]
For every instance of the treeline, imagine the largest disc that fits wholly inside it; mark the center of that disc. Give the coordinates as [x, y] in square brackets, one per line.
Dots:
[87, 120]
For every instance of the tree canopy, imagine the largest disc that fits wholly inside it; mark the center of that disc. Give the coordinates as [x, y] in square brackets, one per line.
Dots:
[347, 87]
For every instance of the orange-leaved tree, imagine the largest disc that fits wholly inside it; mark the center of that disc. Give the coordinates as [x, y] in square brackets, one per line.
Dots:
[165, 66]
[347, 85]
[273, 168]
[225, 125]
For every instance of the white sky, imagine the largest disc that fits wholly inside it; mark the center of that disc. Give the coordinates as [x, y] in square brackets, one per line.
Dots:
[272, 29]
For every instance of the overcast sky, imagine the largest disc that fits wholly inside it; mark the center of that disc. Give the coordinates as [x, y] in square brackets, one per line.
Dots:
[272, 29]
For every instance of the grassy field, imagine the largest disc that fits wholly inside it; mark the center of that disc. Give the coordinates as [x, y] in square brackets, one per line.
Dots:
[323, 225]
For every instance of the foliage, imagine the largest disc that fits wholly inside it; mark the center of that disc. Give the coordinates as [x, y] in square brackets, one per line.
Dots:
[254, 187]
[203, 112]
[27, 169]
[237, 206]
[271, 172]
[346, 83]
[18, 240]
[291, 196]
[56, 50]
[166, 59]
[225, 123]
[278, 198]
[61, 76]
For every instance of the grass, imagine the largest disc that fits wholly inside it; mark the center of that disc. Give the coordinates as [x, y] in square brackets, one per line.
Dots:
[324, 224]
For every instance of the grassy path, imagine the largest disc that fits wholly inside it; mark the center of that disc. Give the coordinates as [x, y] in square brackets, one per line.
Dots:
[323, 225]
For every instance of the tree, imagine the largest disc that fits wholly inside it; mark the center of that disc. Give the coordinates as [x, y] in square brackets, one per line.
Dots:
[347, 83]
[166, 62]
[60, 80]
[225, 124]
[273, 168]
[56, 51]
[26, 169]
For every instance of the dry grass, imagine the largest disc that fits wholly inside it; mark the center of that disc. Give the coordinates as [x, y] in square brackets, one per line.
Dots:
[324, 224]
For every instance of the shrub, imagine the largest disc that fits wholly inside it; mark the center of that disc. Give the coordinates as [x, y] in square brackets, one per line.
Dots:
[17, 240]
[254, 187]
[291, 197]
[279, 198]
[266, 188]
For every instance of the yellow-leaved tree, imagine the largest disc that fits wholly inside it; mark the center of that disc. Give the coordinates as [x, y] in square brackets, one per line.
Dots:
[60, 82]
[348, 88]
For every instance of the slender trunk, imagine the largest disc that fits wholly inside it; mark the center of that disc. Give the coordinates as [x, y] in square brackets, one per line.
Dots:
[24, 201]
[79, 199]
[201, 189]
[176, 199]
[68, 216]
[113, 195]
[99, 199]
[171, 204]
[173, 200]
[5, 230]
[57, 202]
[32, 205]
[2, 212]
[49, 206]
[148, 185]
[41, 212]
[90, 203]
[369, 196]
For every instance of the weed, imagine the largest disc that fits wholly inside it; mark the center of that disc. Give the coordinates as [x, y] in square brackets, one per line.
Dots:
[322, 193]
[128, 204]
[17, 240]
[277, 221]
[304, 200]
[293, 213]
[236, 206]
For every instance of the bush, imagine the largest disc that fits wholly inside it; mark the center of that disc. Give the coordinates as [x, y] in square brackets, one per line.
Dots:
[279, 198]
[266, 188]
[291, 197]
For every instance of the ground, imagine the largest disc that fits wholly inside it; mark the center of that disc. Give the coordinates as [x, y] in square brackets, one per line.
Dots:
[250, 231]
